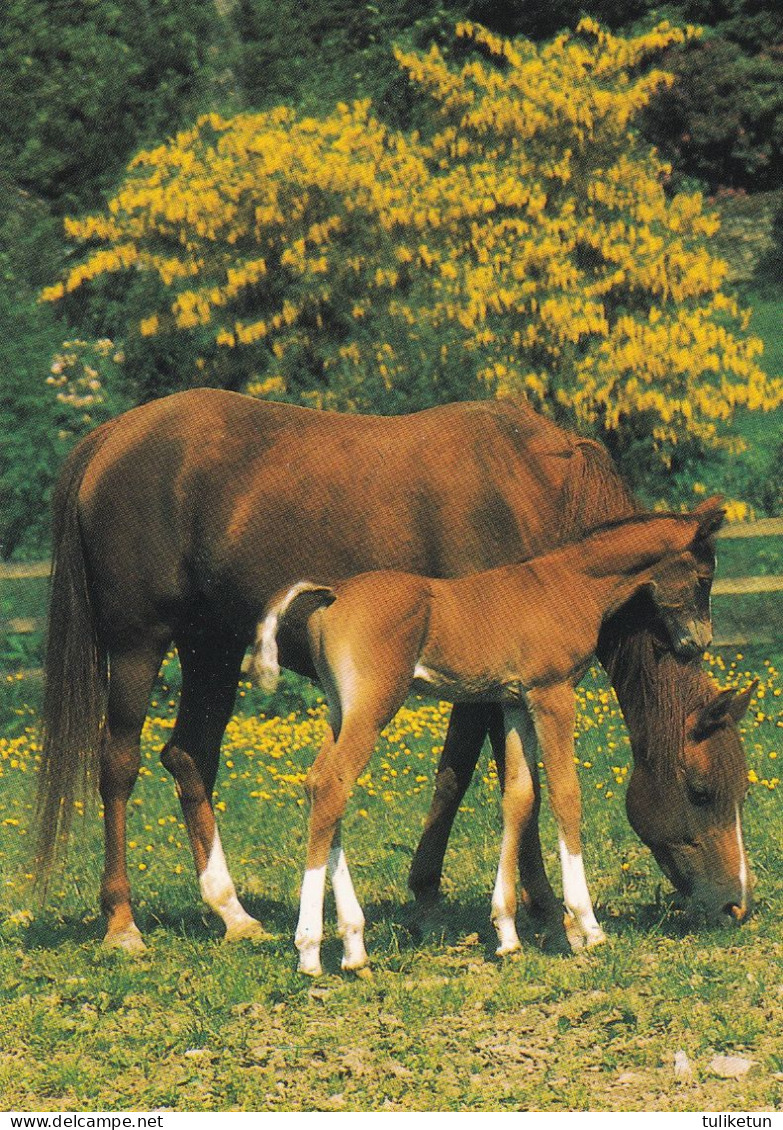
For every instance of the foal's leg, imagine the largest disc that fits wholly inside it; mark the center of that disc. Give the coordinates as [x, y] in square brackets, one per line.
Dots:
[350, 919]
[328, 785]
[539, 899]
[554, 712]
[462, 747]
[517, 810]
[210, 671]
[132, 678]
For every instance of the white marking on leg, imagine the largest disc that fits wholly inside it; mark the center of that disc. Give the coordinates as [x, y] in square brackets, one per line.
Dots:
[350, 919]
[502, 919]
[577, 897]
[309, 928]
[504, 897]
[219, 893]
[743, 867]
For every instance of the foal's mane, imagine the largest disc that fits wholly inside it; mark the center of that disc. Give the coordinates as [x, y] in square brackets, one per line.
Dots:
[657, 690]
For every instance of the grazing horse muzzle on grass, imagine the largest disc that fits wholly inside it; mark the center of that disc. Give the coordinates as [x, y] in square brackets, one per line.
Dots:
[521, 636]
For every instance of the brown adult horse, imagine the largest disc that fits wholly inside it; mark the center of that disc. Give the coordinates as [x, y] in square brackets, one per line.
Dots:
[179, 520]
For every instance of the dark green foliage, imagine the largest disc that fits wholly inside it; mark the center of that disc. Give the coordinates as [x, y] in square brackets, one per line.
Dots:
[28, 447]
[84, 83]
[722, 121]
[29, 450]
[540, 19]
[756, 25]
[312, 56]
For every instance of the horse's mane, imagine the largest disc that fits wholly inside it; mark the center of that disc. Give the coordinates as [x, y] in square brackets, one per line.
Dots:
[657, 690]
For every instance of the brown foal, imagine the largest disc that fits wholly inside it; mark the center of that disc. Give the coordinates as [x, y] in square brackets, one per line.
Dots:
[520, 635]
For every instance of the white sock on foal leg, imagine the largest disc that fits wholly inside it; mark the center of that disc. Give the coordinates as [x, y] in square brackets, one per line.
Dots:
[350, 920]
[504, 923]
[577, 899]
[219, 893]
[310, 927]
[504, 903]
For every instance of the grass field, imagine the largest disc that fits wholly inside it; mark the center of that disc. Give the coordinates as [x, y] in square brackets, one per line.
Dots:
[197, 1024]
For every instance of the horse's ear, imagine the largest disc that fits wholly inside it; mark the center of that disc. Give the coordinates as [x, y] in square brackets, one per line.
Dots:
[729, 704]
[741, 701]
[710, 515]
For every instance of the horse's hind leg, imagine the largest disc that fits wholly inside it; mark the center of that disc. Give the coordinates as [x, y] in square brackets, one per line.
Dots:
[131, 680]
[462, 747]
[210, 671]
[328, 786]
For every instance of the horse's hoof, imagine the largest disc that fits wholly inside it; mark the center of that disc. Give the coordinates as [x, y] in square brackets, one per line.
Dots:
[250, 930]
[128, 940]
[363, 972]
[309, 970]
[509, 950]
[595, 938]
[309, 959]
[580, 940]
[430, 922]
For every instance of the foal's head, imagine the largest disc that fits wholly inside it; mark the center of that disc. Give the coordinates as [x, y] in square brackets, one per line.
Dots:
[681, 584]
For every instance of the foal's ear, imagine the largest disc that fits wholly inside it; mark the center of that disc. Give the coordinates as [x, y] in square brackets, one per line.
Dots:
[730, 704]
[710, 515]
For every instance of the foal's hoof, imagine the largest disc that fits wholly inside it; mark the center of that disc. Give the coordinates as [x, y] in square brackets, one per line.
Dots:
[595, 938]
[582, 941]
[309, 959]
[430, 922]
[128, 940]
[362, 972]
[309, 970]
[509, 949]
[250, 930]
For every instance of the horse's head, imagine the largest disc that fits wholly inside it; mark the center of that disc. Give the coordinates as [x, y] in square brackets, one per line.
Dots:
[690, 816]
[681, 585]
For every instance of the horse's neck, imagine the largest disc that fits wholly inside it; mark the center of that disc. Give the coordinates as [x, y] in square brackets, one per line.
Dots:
[627, 549]
[652, 688]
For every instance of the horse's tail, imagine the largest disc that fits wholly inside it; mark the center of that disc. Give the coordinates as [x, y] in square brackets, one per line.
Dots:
[76, 670]
[265, 664]
[594, 491]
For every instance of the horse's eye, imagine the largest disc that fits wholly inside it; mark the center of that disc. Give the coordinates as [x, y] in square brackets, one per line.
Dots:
[699, 795]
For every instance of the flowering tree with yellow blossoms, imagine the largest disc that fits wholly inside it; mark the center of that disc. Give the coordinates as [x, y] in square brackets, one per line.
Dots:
[524, 245]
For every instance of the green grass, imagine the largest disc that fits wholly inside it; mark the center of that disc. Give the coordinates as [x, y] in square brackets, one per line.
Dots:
[196, 1024]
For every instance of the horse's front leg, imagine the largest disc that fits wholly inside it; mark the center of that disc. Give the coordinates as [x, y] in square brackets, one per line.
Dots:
[517, 811]
[461, 750]
[540, 901]
[554, 711]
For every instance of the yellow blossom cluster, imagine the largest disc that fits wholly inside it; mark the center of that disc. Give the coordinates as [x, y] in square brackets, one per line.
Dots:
[525, 238]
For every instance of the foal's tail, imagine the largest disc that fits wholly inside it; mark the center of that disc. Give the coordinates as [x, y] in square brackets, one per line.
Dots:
[265, 665]
[74, 707]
